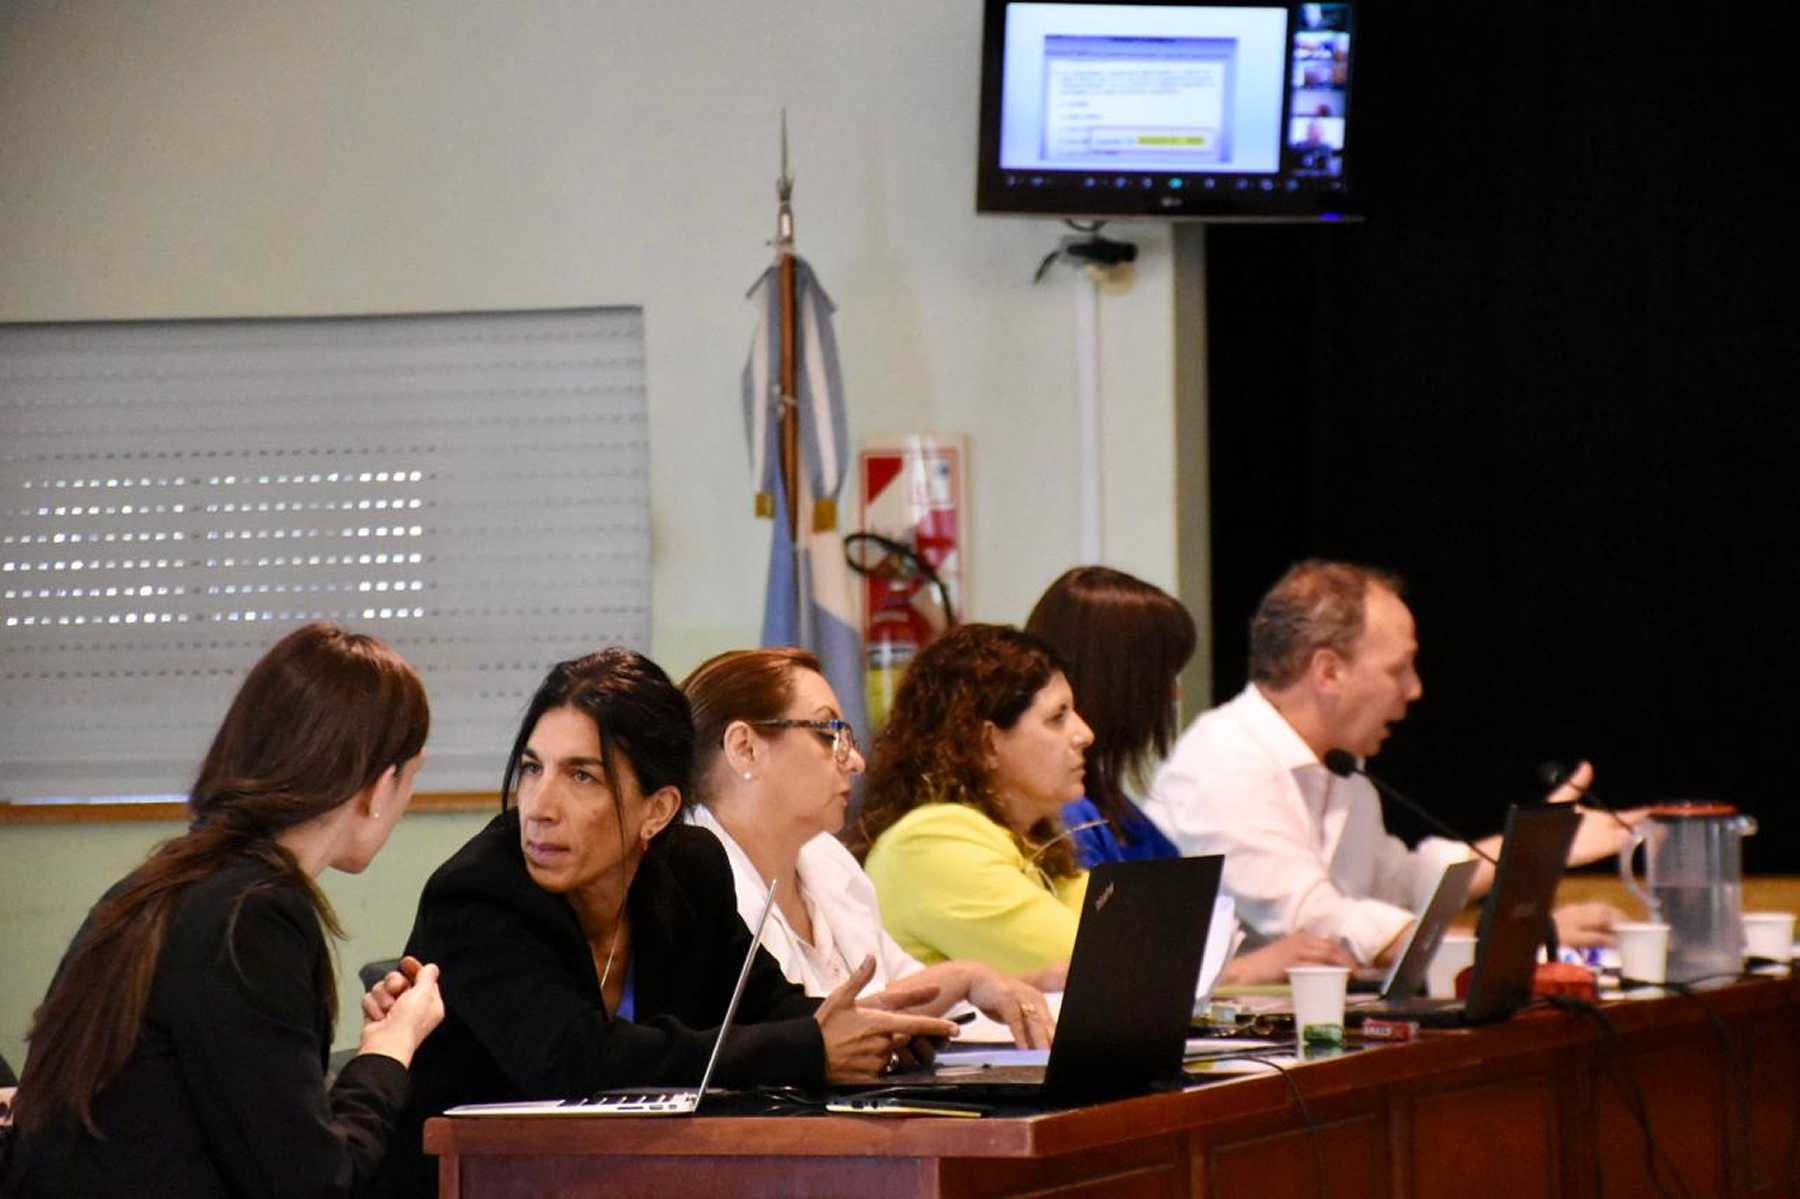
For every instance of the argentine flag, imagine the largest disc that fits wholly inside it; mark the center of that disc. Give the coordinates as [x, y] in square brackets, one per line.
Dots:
[810, 601]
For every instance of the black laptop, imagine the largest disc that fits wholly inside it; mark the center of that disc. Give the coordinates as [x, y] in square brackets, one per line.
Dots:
[1126, 1006]
[1532, 856]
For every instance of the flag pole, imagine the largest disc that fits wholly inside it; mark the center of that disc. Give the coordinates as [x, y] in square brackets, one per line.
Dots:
[790, 404]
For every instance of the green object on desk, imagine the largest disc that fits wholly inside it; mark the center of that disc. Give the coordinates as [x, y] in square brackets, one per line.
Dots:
[1322, 1034]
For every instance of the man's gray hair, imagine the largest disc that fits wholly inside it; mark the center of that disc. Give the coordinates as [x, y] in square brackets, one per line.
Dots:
[1317, 604]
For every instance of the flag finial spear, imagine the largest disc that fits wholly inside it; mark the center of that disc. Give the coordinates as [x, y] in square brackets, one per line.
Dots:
[784, 192]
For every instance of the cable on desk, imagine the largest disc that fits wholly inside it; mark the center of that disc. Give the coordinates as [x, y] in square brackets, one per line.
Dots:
[1312, 1128]
[1627, 1083]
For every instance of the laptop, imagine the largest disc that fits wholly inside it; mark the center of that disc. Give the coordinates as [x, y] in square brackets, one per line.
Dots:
[1127, 1002]
[1532, 856]
[638, 1101]
[1405, 979]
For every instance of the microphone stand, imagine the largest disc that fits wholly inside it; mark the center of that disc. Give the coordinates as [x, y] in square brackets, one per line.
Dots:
[1343, 763]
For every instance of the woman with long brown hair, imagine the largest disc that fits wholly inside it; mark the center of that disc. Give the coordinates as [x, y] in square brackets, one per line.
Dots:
[962, 815]
[1125, 642]
[181, 1049]
[960, 827]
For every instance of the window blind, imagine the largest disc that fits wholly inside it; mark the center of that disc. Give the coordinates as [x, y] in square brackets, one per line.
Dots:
[174, 496]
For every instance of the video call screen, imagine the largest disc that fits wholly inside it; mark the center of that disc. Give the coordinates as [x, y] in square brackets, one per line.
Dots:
[1141, 108]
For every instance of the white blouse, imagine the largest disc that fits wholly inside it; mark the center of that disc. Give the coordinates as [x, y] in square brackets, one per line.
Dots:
[839, 899]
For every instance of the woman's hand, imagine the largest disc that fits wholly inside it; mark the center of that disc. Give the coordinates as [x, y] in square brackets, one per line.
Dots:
[862, 1040]
[1014, 1003]
[1051, 978]
[380, 997]
[400, 1011]
[1270, 963]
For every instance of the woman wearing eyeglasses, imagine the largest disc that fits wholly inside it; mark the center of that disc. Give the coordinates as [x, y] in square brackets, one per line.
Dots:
[961, 826]
[773, 765]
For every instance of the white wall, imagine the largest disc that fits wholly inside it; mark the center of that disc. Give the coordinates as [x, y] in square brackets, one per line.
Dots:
[168, 158]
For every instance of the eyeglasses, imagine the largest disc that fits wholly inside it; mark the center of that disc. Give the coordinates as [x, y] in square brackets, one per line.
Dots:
[843, 737]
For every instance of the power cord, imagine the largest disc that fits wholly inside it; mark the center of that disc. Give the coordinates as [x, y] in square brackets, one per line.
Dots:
[1737, 1071]
[1312, 1127]
[1620, 1068]
[1088, 250]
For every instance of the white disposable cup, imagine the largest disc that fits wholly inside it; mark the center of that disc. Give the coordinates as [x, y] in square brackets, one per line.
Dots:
[1455, 953]
[1318, 995]
[1643, 950]
[1769, 935]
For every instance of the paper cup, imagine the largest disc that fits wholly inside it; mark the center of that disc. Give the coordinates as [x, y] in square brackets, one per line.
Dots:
[1769, 935]
[1643, 950]
[1319, 1002]
[1456, 952]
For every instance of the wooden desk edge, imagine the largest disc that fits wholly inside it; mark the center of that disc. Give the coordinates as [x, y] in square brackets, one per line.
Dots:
[1070, 1131]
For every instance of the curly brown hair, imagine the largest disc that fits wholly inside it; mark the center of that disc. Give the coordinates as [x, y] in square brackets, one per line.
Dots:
[930, 749]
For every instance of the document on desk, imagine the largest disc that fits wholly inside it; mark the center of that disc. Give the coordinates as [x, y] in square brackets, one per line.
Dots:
[1212, 1056]
[980, 1057]
[973, 1057]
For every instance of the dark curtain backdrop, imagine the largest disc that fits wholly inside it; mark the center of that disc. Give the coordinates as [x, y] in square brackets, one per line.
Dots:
[1551, 381]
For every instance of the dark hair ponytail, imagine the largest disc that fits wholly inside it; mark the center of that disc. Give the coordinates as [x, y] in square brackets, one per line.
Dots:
[320, 718]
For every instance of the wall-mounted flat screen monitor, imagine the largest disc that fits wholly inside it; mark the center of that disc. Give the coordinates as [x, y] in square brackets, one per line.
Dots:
[1186, 110]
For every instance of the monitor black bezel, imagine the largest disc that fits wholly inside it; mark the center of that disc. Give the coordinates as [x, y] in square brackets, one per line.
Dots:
[1065, 196]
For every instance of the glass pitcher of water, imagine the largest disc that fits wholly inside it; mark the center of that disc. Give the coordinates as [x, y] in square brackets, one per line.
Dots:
[1693, 882]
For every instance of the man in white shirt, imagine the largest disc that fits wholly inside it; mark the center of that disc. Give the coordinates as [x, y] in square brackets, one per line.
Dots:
[1332, 666]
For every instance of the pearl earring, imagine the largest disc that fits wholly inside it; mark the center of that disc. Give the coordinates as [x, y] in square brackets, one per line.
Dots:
[748, 776]
[374, 813]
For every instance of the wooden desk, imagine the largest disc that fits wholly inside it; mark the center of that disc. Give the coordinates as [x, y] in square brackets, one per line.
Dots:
[1534, 1107]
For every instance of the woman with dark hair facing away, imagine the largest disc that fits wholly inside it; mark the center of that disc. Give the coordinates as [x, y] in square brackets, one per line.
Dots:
[181, 1049]
[961, 825]
[590, 939]
[1125, 642]
[774, 763]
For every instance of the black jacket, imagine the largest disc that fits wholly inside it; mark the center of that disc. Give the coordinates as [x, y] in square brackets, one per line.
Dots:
[225, 1092]
[524, 1015]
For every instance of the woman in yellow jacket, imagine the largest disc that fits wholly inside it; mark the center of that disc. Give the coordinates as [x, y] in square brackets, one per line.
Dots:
[960, 827]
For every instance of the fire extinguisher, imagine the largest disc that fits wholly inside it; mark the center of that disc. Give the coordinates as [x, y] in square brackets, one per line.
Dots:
[897, 628]
[897, 632]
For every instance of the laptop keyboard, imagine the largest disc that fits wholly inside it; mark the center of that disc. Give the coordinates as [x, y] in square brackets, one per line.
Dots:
[653, 1102]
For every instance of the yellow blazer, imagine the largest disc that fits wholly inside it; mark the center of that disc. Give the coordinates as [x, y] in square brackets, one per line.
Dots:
[953, 884]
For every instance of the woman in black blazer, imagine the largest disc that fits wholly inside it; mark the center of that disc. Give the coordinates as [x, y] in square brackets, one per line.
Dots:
[181, 1049]
[590, 940]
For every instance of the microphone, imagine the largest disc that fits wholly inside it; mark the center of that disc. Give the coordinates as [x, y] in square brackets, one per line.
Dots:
[1342, 763]
[1554, 774]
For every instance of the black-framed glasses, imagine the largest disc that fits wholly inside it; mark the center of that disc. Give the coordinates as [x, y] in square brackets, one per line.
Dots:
[843, 737]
